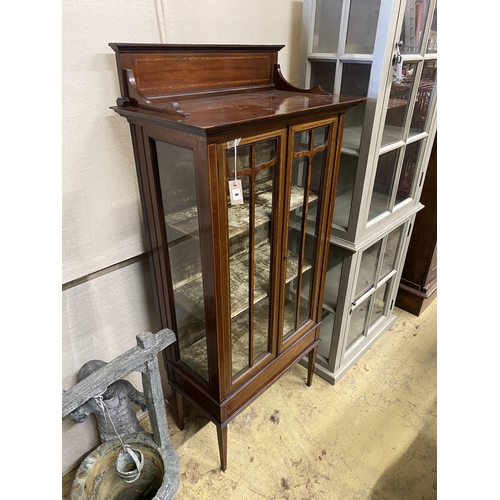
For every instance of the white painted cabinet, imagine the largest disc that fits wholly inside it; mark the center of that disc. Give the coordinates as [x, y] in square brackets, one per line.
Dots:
[385, 50]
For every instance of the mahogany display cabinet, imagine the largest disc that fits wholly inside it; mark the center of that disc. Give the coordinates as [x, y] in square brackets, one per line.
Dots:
[236, 170]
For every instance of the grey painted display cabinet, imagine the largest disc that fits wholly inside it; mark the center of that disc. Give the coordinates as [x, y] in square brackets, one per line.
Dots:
[385, 50]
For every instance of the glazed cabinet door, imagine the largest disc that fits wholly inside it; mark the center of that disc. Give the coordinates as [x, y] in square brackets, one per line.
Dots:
[311, 156]
[252, 172]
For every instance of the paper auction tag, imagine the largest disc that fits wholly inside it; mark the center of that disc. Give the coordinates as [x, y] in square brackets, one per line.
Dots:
[235, 192]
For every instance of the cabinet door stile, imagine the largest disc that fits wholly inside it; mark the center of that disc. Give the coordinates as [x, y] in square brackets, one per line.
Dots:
[284, 241]
[251, 270]
[277, 262]
[218, 190]
[325, 222]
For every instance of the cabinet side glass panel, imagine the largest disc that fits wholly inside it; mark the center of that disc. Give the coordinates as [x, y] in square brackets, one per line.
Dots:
[345, 189]
[329, 313]
[250, 241]
[327, 26]
[355, 79]
[362, 27]
[178, 193]
[323, 74]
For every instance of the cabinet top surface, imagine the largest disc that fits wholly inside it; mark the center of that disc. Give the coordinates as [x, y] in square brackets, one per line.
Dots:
[212, 86]
[218, 111]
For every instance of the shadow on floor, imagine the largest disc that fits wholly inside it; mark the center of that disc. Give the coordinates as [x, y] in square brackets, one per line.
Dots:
[413, 476]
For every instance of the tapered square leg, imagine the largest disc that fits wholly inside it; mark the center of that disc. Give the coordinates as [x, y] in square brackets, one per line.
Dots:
[180, 410]
[310, 365]
[222, 438]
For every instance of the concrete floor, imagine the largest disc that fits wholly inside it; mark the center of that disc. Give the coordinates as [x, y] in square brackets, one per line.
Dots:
[371, 436]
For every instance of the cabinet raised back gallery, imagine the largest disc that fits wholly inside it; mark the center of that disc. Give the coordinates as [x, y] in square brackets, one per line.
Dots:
[236, 170]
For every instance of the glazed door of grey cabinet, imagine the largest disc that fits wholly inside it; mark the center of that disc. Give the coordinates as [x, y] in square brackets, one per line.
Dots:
[375, 285]
[409, 120]
[352, 46]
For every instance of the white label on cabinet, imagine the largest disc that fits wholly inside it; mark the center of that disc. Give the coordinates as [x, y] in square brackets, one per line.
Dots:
[235, 192]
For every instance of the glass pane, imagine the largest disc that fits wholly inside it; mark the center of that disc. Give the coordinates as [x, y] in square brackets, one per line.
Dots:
[296, 264]
[262, 260]
[407, 176]
[345, 189]
[367, 269]
[332, 284]
[384, 182]
[424, 97]
[316, 182]
[323, 74]
[327, 26]
[301, 142]
[362, 27]
[320, 136]
[432, 42]
[326, 333]
[397, 106]
[265, 151]
[355, 79]
[379, 303]
[357, 326]
[261, 329]
[178, 192]
[389, 259]
[353, 126]
[293, 281]
[249, 226]
[306, 286]
[413, 26]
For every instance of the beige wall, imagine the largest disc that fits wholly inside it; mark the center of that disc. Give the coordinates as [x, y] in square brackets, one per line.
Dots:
[107, 297]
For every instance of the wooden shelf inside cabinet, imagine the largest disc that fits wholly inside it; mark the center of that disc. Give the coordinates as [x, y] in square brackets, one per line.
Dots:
[239, 284]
